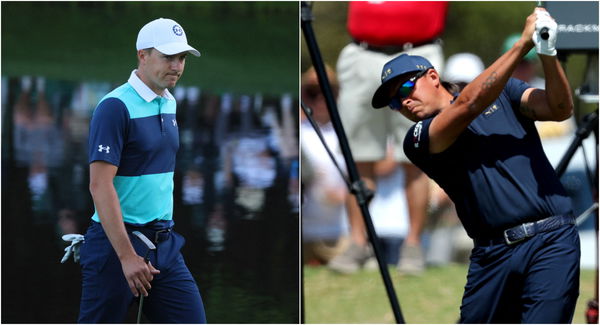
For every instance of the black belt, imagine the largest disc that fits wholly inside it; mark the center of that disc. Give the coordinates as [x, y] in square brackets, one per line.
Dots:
[155, 235]
[526, 230]
[393, 49]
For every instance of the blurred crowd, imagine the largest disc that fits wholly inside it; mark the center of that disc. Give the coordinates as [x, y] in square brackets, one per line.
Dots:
[413, 236]
[237, 153]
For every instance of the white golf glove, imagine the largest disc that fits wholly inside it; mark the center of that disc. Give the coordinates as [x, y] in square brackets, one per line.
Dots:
[545, 47]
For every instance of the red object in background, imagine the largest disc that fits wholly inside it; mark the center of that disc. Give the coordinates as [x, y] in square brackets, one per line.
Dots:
[591, 314]
[385, 23]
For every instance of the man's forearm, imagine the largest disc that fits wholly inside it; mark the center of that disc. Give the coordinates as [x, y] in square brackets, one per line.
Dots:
[558, 91]
[109, 210]
[136, 271]
[486, 88]
[477, 95]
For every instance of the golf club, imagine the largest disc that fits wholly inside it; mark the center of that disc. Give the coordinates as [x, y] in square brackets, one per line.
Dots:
[151, 247]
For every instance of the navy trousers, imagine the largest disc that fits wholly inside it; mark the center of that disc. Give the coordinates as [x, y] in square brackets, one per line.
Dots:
[106, 297]
[534, 281]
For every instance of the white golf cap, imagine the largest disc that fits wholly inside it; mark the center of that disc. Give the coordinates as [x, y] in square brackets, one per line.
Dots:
[165, 35]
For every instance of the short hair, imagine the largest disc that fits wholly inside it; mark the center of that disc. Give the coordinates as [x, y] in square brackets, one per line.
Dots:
[309, 78]
[452, 87]
[148, 50]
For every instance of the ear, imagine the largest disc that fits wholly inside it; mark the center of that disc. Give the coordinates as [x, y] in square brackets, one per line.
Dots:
[141, 54]
[433, 75]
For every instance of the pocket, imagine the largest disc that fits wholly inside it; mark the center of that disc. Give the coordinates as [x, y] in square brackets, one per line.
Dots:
[95, 250]
[566, 236]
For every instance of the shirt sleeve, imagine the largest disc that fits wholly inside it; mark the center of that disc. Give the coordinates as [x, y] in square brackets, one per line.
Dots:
[416, 142]
[108, 131]
[514, 89]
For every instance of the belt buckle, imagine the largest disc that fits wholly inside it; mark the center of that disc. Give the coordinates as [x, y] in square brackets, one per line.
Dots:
[510, 242]
[158, 232]
[527, 234]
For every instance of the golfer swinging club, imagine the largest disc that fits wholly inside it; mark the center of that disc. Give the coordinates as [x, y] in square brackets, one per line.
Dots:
[481, 146]
[132, 145]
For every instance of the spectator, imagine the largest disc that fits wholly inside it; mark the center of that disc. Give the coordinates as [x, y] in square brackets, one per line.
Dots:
[462, 68]
[389, 209]
[324, 224]
[380, 32]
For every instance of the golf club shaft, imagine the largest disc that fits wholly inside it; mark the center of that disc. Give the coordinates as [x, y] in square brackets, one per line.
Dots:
[139, 315]
[141, 304]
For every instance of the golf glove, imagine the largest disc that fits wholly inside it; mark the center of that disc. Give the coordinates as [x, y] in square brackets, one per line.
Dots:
[542, 46]
[73, 249]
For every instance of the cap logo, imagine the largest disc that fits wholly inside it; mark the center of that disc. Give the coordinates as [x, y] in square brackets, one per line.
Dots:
[386, 73]
[177, 30]
[421, 67]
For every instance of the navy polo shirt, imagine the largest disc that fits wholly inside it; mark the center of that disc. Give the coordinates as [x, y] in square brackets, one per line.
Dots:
[496, 172]
[136, 130]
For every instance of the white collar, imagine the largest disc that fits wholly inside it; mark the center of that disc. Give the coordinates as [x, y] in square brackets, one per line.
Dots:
[143, 90]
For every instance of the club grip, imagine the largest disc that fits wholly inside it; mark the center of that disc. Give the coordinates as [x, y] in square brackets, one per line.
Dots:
[544, 33]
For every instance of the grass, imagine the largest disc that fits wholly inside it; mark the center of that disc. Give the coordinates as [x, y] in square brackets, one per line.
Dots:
[433, 298]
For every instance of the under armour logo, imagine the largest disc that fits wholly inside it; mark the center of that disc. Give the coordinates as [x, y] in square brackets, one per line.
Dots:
[100, 148]
[174, 122]
[177, 30]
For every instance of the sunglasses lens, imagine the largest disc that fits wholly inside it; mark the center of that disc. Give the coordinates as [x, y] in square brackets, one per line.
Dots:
[406, 89]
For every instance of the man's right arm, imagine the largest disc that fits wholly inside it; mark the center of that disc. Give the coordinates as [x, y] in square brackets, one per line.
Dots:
[136, 271]
[478, 94]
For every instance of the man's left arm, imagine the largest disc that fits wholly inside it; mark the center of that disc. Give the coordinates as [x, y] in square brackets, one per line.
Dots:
[556, 102]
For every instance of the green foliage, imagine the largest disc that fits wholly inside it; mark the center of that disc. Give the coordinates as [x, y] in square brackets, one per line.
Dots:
[329, 26]
[245, 46]
[479, 27]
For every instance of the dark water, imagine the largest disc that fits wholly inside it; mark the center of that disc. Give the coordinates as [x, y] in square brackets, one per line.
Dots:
[235, 200]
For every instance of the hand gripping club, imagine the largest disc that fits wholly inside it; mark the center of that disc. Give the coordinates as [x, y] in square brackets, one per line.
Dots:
[151, 247]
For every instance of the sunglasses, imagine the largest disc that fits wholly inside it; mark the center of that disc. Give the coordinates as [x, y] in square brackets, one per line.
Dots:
[404, 91]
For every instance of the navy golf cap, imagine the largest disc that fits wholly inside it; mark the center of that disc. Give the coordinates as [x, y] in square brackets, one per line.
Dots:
[403, 66]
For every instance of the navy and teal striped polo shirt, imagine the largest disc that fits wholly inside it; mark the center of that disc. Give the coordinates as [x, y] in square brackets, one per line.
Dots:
[136, 130]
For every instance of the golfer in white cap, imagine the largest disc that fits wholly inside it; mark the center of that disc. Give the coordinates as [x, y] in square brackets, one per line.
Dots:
[133, 142]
